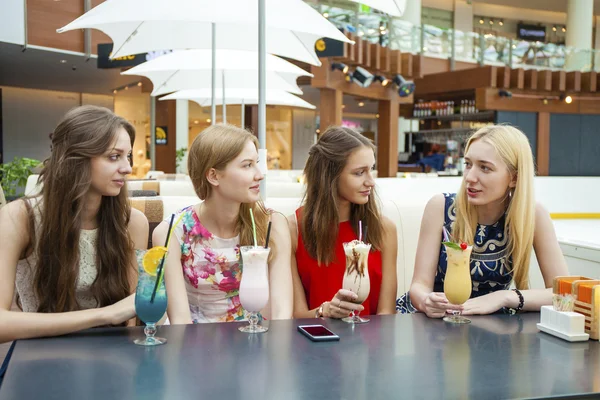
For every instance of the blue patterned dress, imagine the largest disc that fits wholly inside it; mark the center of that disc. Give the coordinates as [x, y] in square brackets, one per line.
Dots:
[491, 269]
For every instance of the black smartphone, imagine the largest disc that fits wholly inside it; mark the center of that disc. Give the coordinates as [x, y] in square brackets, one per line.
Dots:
[317, 333]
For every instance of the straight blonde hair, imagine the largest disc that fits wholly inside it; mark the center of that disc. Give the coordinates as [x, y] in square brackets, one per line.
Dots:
[215, 147]
[513, 148]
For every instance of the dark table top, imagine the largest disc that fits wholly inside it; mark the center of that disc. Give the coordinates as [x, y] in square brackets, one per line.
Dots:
[396, 356]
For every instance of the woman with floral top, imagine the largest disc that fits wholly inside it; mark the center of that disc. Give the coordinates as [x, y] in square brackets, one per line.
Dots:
[203, 266]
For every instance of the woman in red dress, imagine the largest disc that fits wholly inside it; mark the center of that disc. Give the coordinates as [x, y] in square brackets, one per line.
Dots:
[340, 192]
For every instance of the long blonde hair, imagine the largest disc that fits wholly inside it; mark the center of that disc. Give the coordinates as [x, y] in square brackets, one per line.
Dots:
[215, 147]
[513, 148]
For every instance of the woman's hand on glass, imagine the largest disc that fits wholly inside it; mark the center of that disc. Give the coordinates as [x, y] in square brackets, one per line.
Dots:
[486, 304]
[342, 304]
[437, 305]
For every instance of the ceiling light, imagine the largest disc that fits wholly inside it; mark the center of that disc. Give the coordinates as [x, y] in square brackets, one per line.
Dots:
[361, 103]
[501, 23]
[208, 120]
[115, 91]
[63, 61]
[380, 78]
[318, 131]
[491, 22]
[326, 15]
[196, 122]
[343, 106]
[568, 99]
[564, 29]
[554, 28]
[481, 21]
[545, 101]
[340, 66]
[126, 87]
[139, 84]
[362, 77]
[376, 115]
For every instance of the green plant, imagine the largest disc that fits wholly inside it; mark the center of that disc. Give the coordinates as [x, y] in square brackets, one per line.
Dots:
[15, 173]
[179, 155]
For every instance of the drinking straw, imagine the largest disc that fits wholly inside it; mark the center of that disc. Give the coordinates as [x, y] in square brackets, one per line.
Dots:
[268, 234]
[160, 271]
[253, 228]
[359, 230]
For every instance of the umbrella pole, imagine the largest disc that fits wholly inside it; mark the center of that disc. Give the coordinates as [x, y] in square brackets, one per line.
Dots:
[213, 107]
[224, 102]
[243, 117]
[262, 107]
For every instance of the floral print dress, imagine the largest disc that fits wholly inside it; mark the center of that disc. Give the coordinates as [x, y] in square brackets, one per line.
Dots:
[212, 271]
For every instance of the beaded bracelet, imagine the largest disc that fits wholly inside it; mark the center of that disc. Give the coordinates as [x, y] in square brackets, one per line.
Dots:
[513, 311]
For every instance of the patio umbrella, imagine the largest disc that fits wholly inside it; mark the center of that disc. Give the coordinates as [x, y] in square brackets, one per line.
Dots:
[139, 26]
[240, 96]
[190, 69]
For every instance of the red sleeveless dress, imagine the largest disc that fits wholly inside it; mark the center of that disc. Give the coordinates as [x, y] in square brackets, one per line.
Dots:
[321, 283]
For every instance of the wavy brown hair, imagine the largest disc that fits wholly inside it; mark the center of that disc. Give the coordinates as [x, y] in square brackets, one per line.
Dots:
[215, 147]
[84, 133]
[320, 215]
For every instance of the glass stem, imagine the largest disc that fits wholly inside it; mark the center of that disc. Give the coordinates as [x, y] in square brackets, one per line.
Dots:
[253, 320]
[150, 331]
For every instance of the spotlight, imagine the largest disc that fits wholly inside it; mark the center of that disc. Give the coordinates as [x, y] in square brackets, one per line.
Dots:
[405, 88]
[554, 28]
[380, 78]
[504, 93]
[341, 66]
[326, 15]
[545, 101]
[567, 99]
[362, 77]
[139, 84]
[501, 23]
[361, 103]
[564, 28]
[481, 21]
[491, 22]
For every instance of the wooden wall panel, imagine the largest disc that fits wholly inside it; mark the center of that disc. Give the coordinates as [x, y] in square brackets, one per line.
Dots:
[165, 154]
[543, 144]
[573, 81]
[517, 78]
[559, 81]
[589, 81]
[44, 17]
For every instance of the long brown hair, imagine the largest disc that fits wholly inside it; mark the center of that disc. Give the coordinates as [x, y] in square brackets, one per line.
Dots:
[84, 133]
[320, 215]
[215, 147]
[513, 148]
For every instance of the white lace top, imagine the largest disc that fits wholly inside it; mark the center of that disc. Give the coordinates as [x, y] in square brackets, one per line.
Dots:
[87, 271]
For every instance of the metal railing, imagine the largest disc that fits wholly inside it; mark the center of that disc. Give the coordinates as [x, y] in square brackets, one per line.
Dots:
[455, 45]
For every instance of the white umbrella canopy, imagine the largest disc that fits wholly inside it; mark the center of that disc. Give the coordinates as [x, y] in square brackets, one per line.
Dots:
[171, 81]
[138, 26]
[190, 69]
[395, 8]
[240, 96]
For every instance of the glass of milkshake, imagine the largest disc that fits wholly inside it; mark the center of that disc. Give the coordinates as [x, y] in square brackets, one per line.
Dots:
[254, 287]
[356, 276]
[457, 283]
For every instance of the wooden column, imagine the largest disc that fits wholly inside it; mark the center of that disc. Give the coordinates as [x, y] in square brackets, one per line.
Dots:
[543, 144]
[387, 138]
[165, 118]
[330, 108]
